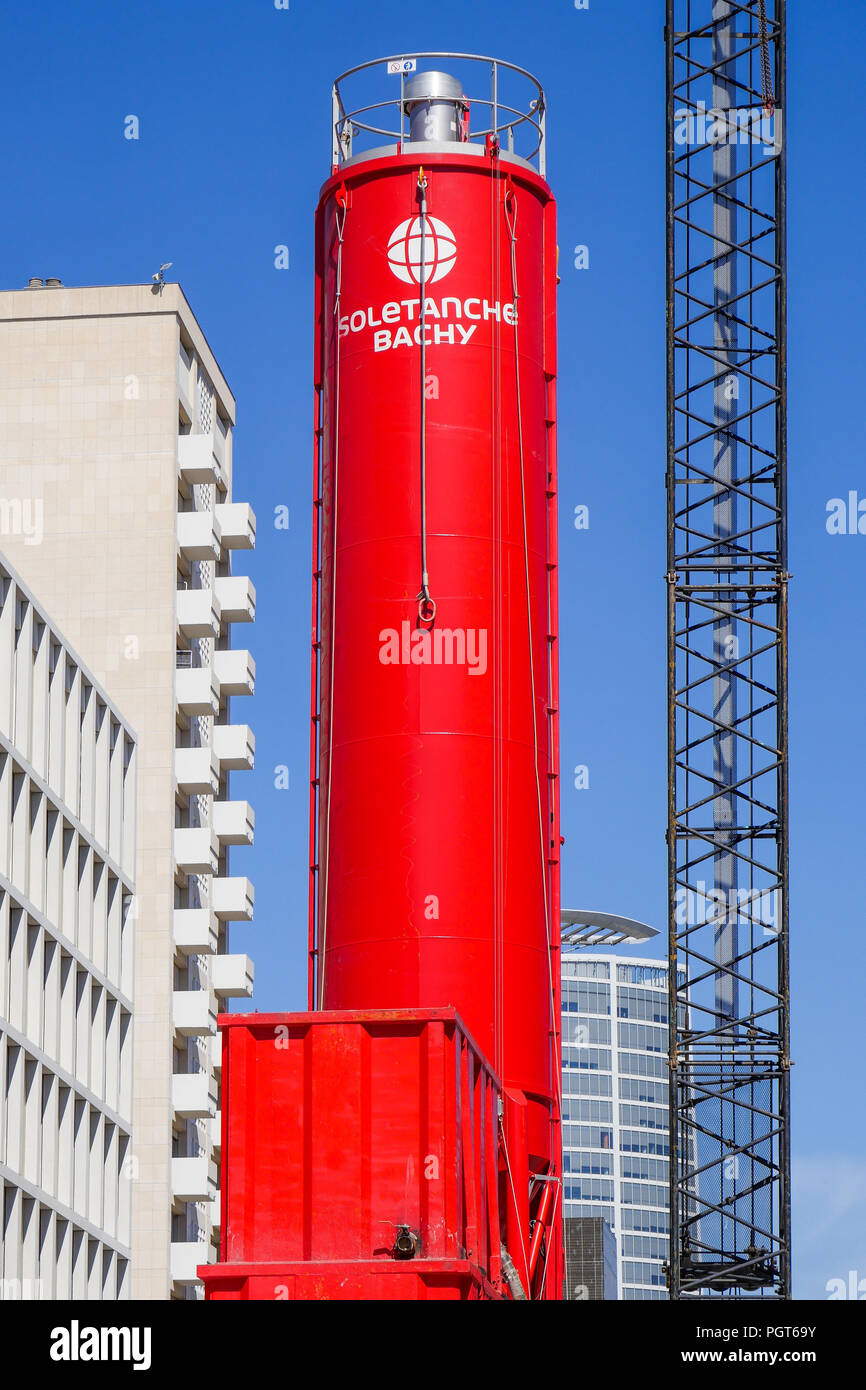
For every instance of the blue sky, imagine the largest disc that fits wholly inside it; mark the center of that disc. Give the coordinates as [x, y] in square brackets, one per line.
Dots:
[233, 104]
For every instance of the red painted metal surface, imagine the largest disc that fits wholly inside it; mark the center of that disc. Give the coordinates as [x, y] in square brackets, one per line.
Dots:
[420, 1281]
[434, 799]
[340, 1130]
[437, 833]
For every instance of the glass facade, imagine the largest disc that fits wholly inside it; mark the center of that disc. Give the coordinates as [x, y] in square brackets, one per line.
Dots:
[615, 1109]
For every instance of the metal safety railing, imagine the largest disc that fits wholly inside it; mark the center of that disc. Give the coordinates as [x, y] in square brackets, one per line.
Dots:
[510, 114]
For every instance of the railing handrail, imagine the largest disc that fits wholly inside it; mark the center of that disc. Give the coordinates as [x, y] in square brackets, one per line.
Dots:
[345, 123]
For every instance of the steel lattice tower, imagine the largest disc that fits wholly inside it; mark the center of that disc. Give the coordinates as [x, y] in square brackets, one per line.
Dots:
[727, 650]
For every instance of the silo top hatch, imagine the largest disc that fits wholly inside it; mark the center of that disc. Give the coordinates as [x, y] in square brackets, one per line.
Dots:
[430, 102]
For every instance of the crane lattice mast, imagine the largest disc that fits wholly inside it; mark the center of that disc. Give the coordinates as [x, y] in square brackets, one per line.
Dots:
[727, 650]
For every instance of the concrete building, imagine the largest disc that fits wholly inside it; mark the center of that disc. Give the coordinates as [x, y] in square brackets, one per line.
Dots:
[615, 1094]
[116, 505]
[67, 858]
[590, 1259]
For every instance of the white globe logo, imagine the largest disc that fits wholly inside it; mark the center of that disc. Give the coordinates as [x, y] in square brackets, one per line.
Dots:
[404, 250]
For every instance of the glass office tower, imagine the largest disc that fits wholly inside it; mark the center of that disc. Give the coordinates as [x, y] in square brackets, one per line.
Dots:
[615, 1094]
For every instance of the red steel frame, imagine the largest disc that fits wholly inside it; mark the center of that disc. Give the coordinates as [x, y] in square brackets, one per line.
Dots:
[386, 1121]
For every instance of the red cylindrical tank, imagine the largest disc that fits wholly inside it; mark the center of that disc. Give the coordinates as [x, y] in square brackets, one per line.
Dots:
[437, 811]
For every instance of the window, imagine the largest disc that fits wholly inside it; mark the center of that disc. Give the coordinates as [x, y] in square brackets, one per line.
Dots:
[650, 1247]
[586, 969]
[589, 1189]
[641, 1194]
[586, 998]
[639, 1064]
[647, 1117]
[646, 1219]
[643, 974]
[643, 1037]
[587, 1162]
[642, 1274]
[599, 1111]
[647, 1142]
[634, 1088]
[591, 1083]
[587, 1136]
[580, 1032]
[655, 1168]
[642, 1004]
[586, 1058]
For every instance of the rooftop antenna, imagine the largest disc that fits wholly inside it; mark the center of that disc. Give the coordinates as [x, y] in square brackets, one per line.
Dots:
[159, 277]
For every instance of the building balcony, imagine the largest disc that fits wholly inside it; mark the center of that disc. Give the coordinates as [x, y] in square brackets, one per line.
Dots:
[197, 612]
[236, 522]
[196, 849]
[232, 899]
[186, 1256]
[194, 930]
[196, 690]
[189, 1180]
[195, 458]
[236, 596]
[193, 1095]
[198, 535]
[234, 747]
[196, 771]
[215, 1052]
[233, 821]
[231, 977]
[216, 1139]
[235, 672]
[191, 1014]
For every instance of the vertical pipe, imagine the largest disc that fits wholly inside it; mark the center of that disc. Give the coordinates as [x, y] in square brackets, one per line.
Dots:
[517, 1183]
[491, 1178]
[314, 708]
[315, 625]
[554, 1242]
[540, 1226]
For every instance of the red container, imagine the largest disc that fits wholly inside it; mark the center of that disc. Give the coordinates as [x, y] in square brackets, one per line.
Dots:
[437, 830]
[345, 1135]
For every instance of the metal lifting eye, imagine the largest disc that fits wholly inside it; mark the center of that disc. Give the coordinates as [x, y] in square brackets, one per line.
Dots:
[426, 609]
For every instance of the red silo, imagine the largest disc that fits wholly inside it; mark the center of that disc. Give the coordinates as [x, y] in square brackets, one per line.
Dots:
[437, 838]
[401, 1139]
